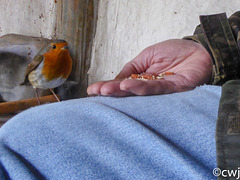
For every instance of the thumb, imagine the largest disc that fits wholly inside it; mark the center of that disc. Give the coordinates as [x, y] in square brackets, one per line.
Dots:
[136, 66]
[131, 67]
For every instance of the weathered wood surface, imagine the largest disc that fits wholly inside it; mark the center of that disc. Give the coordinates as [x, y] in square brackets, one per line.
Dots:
[76, 23]
[16, 106]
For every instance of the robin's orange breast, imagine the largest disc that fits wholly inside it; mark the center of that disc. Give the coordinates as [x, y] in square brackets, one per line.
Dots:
[57, 65]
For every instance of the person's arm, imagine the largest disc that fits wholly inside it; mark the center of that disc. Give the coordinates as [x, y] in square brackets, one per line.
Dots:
[221, 38]
[215, 51]
[189, 60]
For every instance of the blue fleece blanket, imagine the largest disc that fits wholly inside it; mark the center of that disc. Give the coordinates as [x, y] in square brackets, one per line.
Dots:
[146, 137]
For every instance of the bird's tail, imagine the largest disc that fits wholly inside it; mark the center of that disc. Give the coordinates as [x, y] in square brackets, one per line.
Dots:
[25, 82]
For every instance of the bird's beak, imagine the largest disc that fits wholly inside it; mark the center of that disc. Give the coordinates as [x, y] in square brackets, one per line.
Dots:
[65, 47]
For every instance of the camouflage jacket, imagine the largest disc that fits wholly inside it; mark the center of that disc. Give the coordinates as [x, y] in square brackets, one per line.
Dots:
[221, 37]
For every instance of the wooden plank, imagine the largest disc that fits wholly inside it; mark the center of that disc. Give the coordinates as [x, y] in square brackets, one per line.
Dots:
[76, 23]
[16, 106]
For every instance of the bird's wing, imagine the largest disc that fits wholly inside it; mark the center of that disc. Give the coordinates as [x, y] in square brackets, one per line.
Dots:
[31, 66]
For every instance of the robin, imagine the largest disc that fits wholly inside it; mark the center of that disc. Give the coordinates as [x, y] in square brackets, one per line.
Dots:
[50, 67]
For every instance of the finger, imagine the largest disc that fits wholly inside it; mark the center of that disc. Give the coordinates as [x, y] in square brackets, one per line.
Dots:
[149, 87]
[112, 88]
[136, 66]
[94, 89]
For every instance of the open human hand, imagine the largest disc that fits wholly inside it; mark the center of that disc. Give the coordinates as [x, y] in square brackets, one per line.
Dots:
[189, 60]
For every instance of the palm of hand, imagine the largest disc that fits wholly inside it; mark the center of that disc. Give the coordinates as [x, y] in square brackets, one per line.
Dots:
[190, 62]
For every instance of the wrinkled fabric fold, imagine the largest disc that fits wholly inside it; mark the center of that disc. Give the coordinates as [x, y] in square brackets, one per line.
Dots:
[145, 137]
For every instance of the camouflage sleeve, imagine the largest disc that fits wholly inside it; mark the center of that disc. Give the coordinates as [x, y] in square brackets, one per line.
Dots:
[221, 37]
[228, 128]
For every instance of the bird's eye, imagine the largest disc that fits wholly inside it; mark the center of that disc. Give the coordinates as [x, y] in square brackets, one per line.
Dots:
[54, 46]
